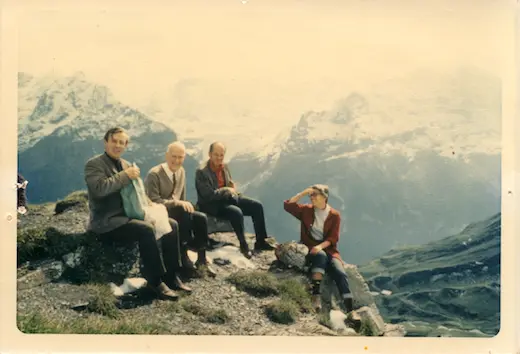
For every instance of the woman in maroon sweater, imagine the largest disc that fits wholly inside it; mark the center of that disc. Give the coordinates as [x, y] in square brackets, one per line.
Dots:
[320, 225]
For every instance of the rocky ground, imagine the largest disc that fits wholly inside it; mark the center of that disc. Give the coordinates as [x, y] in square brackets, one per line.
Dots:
[262, 296]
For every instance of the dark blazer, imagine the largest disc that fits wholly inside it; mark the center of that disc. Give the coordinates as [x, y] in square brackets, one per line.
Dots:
[331, 226]
[104, 184]
[209, 196]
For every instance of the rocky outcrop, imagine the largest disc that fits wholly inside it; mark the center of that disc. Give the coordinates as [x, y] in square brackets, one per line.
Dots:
[293, 255]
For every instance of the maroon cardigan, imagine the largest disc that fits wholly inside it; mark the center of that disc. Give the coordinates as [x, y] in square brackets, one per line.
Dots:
[305, 213]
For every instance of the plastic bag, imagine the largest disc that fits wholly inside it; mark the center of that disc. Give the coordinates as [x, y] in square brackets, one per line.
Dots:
[134, 199]
[157, 214]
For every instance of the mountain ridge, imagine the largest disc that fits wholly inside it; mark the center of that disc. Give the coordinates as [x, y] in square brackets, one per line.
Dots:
[66, 124]
[456, 279]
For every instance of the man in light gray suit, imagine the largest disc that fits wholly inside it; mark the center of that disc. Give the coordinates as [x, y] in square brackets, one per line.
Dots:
[105, 175]
[166, 184]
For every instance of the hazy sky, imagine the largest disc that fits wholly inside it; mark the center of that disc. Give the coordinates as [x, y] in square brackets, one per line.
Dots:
[141, 49]
[276, 57]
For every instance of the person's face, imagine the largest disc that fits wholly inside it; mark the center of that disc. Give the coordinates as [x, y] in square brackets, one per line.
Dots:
[116, 145]
[217, 155]
[175, 158]
[317, 199]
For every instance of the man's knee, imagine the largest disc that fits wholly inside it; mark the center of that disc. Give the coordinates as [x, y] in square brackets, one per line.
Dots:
[257, 205]
[199, 218]
[235, 213]
[143, 228]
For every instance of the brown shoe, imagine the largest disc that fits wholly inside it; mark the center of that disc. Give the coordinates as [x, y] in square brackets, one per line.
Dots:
[164, 292]
[179, 285]
[206, 269]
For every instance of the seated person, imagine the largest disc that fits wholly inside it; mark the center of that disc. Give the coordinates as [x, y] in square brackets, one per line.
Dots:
[218, 197]
[166, 184]
[21, 200]
[105, 175]
[319, 231]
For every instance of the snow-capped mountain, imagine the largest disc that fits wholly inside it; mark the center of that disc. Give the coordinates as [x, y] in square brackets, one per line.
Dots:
[410, 161]
[246, 114]
[61, 123]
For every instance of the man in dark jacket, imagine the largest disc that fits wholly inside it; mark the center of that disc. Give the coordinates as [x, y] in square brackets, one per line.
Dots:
[105, 175]
[218, 197]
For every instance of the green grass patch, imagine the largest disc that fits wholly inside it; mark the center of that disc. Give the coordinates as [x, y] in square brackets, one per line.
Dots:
[209, 315]
[45, 242]
[73, 200]
[294, 290]
[366, 330]
[256, 283]
[38, 323]
[282, 311]
[102, 301]
[293, 297]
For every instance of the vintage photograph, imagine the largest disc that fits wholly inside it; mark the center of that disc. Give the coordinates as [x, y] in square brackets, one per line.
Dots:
[305, 169]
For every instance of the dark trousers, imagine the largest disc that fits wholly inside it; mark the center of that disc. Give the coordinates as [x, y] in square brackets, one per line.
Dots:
[143, 232]
[193, 227]
[323, 262]
[244, 206]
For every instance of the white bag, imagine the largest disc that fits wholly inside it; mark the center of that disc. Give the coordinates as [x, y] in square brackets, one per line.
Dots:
[157, 214]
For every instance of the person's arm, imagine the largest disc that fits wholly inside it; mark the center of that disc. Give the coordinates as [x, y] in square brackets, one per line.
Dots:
[207, 192]
[100, 185]
[291, 205]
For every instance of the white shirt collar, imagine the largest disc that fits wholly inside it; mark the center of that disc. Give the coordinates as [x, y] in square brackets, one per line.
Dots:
[324, 211]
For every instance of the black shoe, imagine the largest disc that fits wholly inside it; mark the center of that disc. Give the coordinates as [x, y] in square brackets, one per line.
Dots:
[244, 249]
[264, 246]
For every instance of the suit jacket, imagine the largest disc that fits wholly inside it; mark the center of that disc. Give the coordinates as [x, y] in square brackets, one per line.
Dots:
[160, 188]
[104, 184]
[209, 196]
[331, 226]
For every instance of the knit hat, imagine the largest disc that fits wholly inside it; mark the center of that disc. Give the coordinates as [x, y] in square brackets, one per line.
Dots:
[322, 188]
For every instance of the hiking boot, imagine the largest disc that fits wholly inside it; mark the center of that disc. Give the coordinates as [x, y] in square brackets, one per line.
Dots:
[316, 302]
[206, 269]
[163, 292]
